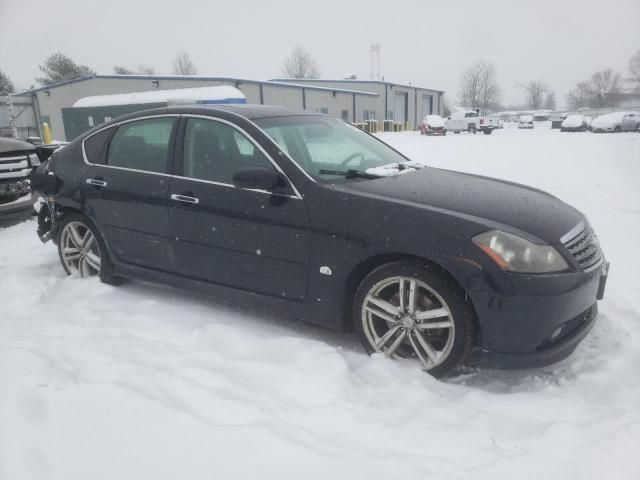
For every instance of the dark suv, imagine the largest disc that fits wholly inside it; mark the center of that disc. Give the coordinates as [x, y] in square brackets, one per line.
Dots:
[318, 220]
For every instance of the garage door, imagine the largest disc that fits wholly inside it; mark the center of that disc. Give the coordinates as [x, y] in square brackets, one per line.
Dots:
[427, 105]
[400, 110]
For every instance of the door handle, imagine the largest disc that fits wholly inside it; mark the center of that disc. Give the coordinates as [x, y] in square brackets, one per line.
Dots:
[96, 183]
[184, 198]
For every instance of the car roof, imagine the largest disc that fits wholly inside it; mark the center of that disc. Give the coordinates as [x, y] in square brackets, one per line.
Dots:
[248, 111]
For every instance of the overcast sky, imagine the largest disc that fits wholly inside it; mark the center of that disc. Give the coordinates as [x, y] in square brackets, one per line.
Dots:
[427, 43]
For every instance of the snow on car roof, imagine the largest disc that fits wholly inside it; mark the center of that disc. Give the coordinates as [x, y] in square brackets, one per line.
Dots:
[201, 95]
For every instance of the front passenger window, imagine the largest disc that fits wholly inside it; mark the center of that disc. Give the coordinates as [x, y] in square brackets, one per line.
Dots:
[215, 151]
[142, 145]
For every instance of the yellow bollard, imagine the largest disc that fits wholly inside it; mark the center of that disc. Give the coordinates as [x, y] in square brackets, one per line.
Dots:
[46, 134]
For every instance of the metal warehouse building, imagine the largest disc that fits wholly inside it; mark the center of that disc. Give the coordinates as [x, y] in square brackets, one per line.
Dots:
[398, 102]
[352, 100]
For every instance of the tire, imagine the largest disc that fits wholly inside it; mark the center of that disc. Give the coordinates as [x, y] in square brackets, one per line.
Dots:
[456, 132]
[487, 131]
[384, 329]
[617, 129]
[77, 232]
[472, 129]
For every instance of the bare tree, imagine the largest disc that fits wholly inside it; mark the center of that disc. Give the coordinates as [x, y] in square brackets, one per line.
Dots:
[119, 70]
[550, 101]
[145, 70]
[471, 86]
[6, 85]
[580, 96]
[139, 70]
[300, 64]
[182, 65]
[634, 72]
[479, 87]
[535, 91]
[59, 68]
[604, 83]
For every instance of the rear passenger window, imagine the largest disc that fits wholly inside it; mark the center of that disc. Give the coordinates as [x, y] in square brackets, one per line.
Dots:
[95, 146]
[142, 145]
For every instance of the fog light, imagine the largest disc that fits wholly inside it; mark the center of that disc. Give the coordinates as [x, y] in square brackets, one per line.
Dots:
[556, 333]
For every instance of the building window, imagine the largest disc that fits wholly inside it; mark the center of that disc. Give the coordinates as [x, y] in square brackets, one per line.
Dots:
[325, 111]
[365, 115]
[345, 115]
[389, 115]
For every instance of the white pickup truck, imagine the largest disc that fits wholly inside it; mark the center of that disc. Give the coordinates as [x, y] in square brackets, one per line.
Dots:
[470, 121]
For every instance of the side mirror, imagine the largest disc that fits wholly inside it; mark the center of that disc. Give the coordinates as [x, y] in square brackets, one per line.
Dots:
[257, 177]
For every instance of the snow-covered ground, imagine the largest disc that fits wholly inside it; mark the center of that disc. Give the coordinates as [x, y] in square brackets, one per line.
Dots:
[147, 382]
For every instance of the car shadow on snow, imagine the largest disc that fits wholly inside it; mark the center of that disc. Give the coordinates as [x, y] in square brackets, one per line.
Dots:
[251, 316]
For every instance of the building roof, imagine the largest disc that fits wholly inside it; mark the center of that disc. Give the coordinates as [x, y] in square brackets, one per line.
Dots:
[196, 77]
[353, 80]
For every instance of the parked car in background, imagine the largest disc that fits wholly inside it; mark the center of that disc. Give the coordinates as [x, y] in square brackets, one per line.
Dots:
[265, 205]
[525, 121]
[470, 121]
[610, 122]
[589, 120]
[18, 160]
[433, 125]
[631, 122]
[574, 123]
[556, 119]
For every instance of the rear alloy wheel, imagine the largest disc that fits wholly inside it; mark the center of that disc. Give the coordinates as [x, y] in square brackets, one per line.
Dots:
[82, 250]
[404, 310]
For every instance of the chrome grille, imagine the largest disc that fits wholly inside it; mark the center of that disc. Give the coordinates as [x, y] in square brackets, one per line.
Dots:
[584, 246]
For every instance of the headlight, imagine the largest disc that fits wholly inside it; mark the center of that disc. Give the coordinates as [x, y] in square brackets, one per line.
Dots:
[33, 158]
[516, 254]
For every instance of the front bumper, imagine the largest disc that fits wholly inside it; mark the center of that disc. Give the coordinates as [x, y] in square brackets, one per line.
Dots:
[541, 326]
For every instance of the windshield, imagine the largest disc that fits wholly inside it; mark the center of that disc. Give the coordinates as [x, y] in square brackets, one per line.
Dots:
[321, 144]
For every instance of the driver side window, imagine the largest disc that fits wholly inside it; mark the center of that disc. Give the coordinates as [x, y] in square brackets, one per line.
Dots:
[215, 151]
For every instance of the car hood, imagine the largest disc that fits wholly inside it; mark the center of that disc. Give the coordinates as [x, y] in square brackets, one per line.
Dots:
[490, 201]
[12, 145]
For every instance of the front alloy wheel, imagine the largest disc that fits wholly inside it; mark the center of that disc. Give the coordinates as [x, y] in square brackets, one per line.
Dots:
[406, 311]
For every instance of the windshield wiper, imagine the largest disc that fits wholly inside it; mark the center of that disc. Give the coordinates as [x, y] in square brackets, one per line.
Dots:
[351, 173]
